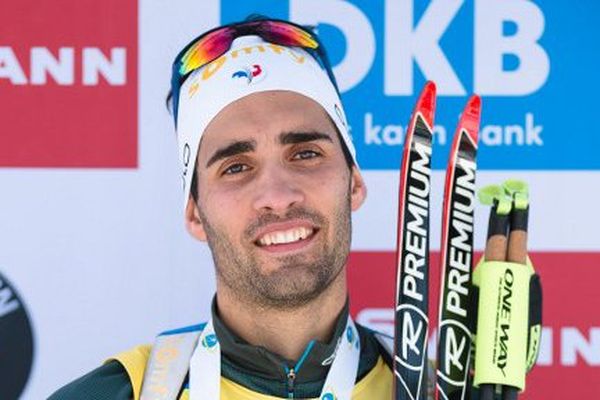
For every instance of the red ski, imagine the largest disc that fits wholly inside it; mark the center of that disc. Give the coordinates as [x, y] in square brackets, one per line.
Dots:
[411, 325]
[456, 320]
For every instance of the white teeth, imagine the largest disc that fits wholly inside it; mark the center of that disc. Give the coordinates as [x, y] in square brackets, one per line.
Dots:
[279, 238]
[305, 232]
[282, 237]
[302, 233]
[290, 236]
[266, 240]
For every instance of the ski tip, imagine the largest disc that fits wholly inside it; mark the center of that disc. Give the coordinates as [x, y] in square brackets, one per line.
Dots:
[429, 87]
[473, 107]
[474, 104]
[426, 102]
[471, 117]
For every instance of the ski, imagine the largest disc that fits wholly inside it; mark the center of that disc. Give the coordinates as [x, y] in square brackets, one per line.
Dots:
[411, 322]
[455, 323]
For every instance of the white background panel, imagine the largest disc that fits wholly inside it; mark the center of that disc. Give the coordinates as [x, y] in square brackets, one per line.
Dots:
[563, 213]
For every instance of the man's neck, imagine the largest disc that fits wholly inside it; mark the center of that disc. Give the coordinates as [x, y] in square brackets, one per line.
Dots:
[284, 331]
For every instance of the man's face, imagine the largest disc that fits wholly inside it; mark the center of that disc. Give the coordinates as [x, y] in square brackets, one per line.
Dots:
[274, 199]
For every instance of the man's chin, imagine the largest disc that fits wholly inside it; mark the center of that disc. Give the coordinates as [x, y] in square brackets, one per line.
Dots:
[274, 263]
[287, 297]
[293, 285]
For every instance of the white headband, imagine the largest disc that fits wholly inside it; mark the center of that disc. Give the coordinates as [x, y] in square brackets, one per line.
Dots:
[250, 66]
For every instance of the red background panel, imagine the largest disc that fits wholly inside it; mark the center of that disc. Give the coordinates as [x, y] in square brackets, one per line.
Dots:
[54, 125]
[571, 299]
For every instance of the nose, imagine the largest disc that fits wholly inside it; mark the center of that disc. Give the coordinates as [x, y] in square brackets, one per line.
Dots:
[276, 190]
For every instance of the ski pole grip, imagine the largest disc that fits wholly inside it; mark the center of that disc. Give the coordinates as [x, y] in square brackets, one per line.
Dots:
[502, 324]
[535, 320]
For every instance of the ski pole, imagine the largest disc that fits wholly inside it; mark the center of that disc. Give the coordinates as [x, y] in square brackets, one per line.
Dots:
[517, 242]
[497, 243]
[517, 252]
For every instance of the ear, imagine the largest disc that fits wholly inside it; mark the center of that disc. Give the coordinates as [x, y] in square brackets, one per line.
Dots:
[193, 222]
[358, 189]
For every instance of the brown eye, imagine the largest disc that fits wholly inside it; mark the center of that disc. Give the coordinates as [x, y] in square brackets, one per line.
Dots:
[235, 169]
[306, 155]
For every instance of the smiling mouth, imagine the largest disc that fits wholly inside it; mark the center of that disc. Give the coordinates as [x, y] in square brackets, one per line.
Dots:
[286, 237]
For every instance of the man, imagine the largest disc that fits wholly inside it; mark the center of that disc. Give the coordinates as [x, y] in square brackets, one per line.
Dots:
[270, 179]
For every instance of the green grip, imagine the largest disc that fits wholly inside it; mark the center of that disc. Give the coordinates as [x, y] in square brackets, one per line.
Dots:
[502, 323]
[519, 191]
[495, 195]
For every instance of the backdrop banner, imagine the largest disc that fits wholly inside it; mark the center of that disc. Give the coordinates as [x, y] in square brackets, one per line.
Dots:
[95, 258]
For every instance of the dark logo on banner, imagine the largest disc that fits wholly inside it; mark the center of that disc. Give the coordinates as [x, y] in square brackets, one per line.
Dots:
[16, 342]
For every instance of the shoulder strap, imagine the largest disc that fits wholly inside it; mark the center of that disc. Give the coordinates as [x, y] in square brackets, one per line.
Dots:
[386, 346]
[385, 341]
[169, 363]
[134, 361]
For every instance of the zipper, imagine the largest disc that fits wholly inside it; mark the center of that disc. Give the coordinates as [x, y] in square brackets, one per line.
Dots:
[291, 372]
[291, 377]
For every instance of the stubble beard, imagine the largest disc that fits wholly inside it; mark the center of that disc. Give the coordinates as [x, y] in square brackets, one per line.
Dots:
[298, 279]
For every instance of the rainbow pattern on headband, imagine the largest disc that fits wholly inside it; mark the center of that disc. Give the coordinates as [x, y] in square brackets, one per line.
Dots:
[212, 45]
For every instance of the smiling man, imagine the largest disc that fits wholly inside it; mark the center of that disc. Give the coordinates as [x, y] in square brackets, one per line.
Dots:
[270, 180]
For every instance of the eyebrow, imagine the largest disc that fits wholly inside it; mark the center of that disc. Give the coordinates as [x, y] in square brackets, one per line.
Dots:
[246, 146]
[301, 137]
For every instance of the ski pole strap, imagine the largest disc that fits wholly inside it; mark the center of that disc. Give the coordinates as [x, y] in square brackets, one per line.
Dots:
[503, 323]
